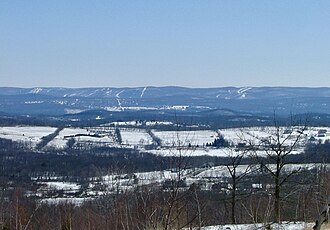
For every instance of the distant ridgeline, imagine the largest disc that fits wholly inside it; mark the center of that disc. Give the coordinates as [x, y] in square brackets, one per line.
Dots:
[231, 104]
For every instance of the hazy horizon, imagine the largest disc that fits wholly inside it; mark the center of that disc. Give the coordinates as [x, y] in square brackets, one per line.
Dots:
[165, 86]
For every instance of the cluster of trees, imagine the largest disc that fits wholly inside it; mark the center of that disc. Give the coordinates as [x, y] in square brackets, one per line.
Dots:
[118, 136]
[46, 139]
[155, 140]
[219, 142]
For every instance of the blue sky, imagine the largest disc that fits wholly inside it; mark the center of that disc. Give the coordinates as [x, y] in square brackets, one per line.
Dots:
[203, 43]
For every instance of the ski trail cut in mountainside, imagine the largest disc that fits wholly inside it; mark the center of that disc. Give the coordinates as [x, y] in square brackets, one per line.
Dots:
[243, 90]
[142, 93]
[118, 94]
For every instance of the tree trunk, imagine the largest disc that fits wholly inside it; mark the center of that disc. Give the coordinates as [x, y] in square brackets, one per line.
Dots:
[277, 199]
[323, 217]
[233, 202]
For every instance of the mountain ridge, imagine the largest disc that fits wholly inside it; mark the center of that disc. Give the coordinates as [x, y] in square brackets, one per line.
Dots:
[255, 100]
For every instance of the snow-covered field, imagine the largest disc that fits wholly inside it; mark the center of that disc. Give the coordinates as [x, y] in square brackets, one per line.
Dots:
[184, 138]
[222, 171]
[139, 123]
[258, 134]
[58, 185]
[222, 152]
[135, 137]
[61, 140]
[27, 134]
[190, 152]
[205, 177]
[173, 142]
[238, 135]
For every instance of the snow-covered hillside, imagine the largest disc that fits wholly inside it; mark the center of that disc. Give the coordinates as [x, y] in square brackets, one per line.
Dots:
[255, 100]
[187, 143]
[30, 135]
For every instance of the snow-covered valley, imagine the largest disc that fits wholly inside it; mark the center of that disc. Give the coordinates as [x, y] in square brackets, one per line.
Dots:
[218, 148]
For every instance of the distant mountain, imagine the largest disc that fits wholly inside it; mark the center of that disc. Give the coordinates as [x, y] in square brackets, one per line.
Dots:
[224, 100]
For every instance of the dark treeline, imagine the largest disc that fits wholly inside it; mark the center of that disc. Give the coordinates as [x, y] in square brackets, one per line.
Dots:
[18, 161]
[213, 119]
[151, 207]
[317, 152]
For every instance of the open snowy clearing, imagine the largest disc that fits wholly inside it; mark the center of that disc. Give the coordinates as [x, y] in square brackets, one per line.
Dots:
[80, 135]
[27, 134]
[221, 152]
[170, 140]
[256, 135]
[60, 141]
[135, 137]
[57, 185]
[139, 123]
[184, 138]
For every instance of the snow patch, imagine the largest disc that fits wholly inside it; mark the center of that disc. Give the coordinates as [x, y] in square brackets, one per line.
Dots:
[143, 91]
[36, 90]
[33, 102]
[118, 94]
[243, 90]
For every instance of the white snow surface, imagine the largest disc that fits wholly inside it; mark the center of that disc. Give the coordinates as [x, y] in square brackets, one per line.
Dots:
[173, 142]
[57, 185]
[65, 200]
[138, 123]
[283, 226]
[61, 140]
[221, 152]
[184, 138]
[27, 134]
[143, 91]
[135, 136]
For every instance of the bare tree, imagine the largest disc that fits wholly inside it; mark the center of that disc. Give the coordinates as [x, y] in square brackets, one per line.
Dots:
[323, 193]
[277, 146]
[237, 176]
[176, 202]
[323, 217]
